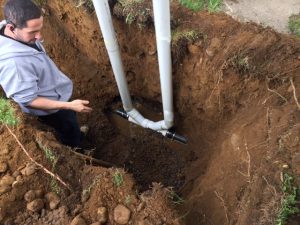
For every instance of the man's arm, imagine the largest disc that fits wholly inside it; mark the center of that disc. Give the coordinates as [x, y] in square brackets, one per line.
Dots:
[47, 104]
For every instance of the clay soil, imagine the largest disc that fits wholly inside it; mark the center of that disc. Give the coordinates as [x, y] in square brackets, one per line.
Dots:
[236, 99]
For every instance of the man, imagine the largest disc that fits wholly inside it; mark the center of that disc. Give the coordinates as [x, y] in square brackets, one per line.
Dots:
[30, 77]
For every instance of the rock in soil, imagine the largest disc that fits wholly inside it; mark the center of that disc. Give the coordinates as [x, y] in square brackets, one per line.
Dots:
[3, 167]
[36, 205]
[78, 221]
[2, 213]
[29, 169]
[7, 180]
[85, 196]
[102, 215]
[30, 196]
[121, 214]
[52, 199]
[4, 189]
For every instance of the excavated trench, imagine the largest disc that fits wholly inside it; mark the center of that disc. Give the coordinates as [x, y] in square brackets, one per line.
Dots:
[222, 105]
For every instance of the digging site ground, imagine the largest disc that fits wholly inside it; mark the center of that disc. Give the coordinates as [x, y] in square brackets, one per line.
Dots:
[236, 98]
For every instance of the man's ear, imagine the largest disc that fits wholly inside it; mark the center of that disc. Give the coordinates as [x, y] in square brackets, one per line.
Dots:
[11, 26]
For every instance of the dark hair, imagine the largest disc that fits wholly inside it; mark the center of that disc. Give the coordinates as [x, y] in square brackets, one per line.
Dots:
[18, 12]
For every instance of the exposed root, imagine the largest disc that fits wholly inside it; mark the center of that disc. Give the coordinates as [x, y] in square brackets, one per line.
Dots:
[248, 161]
[36, 163]
[91, 160]
[223, 204]
[275, 92]
[217, 85]
[268, 117]
[248, 174]
[294, 92]
[270, 186]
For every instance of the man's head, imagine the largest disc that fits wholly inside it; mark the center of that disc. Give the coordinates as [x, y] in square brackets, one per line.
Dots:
[24, 20]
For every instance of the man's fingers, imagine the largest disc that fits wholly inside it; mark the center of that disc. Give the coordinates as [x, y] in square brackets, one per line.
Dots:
[87, 109]
[85, 102]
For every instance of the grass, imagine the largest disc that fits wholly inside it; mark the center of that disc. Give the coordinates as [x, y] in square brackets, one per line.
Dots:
[128, 200]
[196, 5]
[55, 187]
[95, 181]
[52, 158]
[130, 18]
[129, 3]
[176, 199]
[289, 201]
[189, 35]
[86, 3]
[118, 178]
[133, 10]
[294, 24]
[7, 113]
[214, 5]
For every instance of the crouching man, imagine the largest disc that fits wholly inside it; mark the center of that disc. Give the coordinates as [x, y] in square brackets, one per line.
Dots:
[30, 77]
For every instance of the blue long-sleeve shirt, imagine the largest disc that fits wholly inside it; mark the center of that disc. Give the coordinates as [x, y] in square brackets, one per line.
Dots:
[26, 73]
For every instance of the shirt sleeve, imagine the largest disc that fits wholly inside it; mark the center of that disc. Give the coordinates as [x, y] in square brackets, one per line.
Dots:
[19, 81]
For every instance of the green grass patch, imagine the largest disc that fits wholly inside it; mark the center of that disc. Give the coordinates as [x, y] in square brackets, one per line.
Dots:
[7, 113]
[214, 5]
[196, 5]
[50, 156]
[128, 200]
[289, 201]
[118, 178]
[55, 187]
[175, 198]
[294, 24]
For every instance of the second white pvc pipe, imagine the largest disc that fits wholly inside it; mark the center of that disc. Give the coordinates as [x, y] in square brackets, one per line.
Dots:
[161, 9]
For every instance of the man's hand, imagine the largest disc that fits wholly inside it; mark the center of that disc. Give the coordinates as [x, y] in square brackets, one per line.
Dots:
[79, 105]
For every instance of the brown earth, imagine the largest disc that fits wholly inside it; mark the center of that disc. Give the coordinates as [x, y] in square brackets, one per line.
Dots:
[233, 98]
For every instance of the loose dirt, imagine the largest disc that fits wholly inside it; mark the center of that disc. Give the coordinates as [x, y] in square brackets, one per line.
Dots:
[234, 100]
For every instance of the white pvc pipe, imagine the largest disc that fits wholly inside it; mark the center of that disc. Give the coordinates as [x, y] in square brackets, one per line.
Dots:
[163, 37]
[161, 9]
[110, 40]
[136, 117]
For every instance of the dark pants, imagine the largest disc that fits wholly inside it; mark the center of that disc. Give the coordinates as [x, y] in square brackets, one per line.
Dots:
[66, 126]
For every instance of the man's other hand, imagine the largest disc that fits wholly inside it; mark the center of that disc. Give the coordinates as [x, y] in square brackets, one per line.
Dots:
[79, 105]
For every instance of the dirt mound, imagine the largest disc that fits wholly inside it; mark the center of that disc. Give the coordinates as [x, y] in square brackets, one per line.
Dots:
[236, 90]
[75, 191]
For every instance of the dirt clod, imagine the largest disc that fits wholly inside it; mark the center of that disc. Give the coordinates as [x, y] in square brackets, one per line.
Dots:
[78, 220]
[29, 169]
[30, 196]
[7, 180]
[121, 214]
[36, 205]
[3, 167]
[102, 215]
[85, 196]
[53, 200]
[213, 47]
